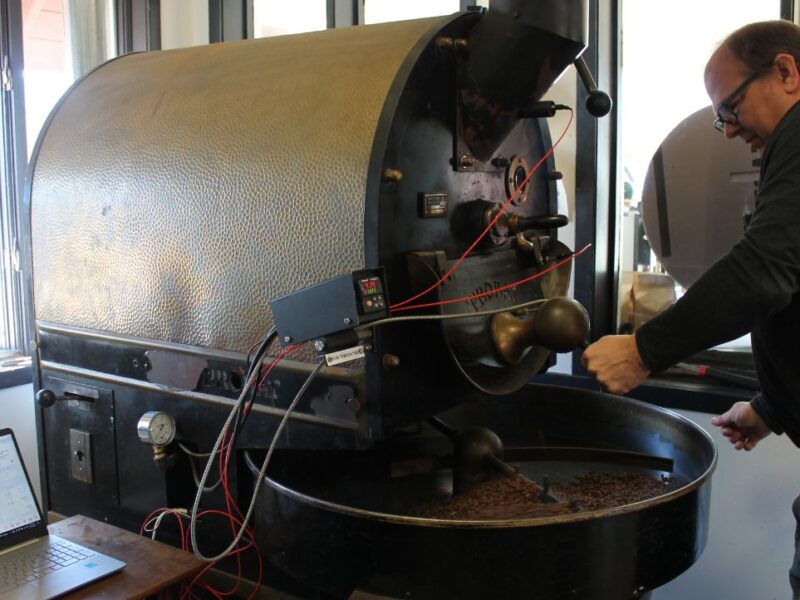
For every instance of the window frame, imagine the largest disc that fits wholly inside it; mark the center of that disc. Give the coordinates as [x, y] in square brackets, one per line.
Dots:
[14, 217]
[598, 186]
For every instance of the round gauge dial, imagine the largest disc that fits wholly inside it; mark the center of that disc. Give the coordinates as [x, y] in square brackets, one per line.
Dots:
[157, 428]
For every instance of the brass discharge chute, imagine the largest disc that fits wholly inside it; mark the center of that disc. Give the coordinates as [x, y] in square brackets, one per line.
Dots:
[560, 324]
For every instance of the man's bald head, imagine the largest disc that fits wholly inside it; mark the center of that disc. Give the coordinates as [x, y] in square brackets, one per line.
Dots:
[756, 45]
[753, 80]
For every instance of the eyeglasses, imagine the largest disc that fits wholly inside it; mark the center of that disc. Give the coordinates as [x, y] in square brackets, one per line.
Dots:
[726, 115]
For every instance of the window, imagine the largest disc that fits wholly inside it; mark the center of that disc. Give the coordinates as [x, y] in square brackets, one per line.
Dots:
[53, 60]
[62, 41]
[661, 84]
[277, 17]
[381, 11]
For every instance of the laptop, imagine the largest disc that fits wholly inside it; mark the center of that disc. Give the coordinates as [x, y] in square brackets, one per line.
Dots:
[33, 564]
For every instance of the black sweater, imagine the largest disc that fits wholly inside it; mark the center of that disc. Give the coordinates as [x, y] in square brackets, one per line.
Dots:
[754, 288]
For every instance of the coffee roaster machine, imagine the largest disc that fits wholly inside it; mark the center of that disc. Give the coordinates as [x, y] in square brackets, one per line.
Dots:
[183, 202]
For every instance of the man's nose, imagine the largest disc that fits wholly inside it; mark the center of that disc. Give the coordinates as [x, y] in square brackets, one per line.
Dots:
[732, 130]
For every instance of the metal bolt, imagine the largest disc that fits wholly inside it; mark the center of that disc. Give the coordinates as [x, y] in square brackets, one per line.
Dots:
[287, 338]
[347, 320]
[444, 42]
[390, 361]
[466, 161]
[501, 162]
[354, 404]
[394, 175]
[319, 345]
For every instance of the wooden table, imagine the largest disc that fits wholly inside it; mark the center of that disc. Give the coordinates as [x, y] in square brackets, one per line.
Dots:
[152, 568]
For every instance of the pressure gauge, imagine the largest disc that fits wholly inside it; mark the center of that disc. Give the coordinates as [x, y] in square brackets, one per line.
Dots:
[156, 427]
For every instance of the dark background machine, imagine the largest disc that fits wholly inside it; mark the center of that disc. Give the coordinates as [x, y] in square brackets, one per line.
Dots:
[175, 196]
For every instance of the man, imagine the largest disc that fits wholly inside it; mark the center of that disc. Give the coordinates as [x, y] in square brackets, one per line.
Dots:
[754, 86]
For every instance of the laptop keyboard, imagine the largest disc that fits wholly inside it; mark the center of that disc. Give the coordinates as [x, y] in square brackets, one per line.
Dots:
[33, 565]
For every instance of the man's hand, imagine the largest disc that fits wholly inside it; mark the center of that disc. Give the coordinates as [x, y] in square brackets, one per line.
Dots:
[742, 426]
[615, 362]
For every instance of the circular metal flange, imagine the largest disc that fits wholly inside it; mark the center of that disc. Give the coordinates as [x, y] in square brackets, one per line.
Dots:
[516, 172]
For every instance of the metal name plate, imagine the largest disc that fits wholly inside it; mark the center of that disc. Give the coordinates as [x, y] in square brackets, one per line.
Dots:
[343, 356]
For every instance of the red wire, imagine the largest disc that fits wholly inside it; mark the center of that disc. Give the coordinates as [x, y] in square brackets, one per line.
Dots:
[278, 359]
[502, 288]
[224, 465]
[492, 223]
[226, 448]
[236, 552]
[230, 503]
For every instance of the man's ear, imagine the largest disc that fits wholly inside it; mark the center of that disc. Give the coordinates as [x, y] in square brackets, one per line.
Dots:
[788, 71]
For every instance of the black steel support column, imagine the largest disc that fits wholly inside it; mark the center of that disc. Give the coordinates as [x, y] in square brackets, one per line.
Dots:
[344, 13]
[230, 20]
[596, 168]
[138, 25]
[787, 10]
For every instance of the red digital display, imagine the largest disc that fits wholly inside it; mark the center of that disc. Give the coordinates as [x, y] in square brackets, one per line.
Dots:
[370, 286]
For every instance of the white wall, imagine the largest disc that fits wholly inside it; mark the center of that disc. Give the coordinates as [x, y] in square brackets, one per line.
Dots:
[18, 411]
[751, 537]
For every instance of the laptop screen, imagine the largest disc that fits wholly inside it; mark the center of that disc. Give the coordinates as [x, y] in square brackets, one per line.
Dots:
[20, 518]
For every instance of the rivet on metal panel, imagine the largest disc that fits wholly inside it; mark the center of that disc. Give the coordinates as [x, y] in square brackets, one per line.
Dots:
[392, 175]
[347, 320]
[319, 345]
[287, 338]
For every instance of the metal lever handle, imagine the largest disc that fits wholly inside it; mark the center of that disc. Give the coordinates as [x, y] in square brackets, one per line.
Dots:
[598, 103]
[46, 398]
[519, 224]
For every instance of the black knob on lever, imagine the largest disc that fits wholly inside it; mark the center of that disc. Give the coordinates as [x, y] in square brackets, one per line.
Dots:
[598, 103]
[46, 398]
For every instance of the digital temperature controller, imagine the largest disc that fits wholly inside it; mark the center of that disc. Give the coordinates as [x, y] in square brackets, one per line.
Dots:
[331, 306]
[370, 292]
